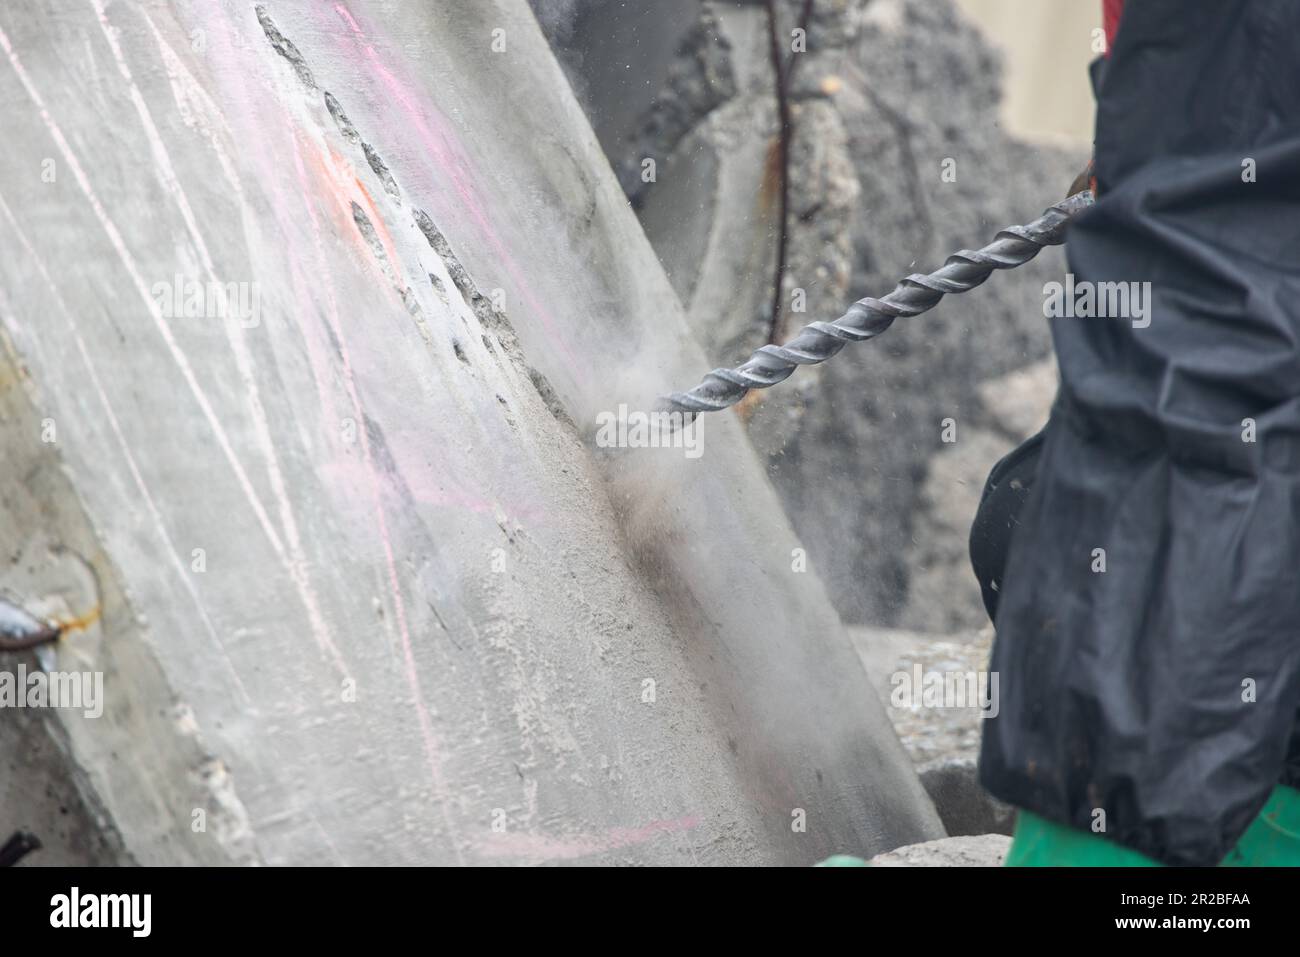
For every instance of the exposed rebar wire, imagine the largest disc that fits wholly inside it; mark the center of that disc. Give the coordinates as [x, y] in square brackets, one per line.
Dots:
[868, 318]
[783, 76]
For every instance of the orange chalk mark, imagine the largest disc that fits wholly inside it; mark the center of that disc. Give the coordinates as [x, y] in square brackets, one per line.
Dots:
[80, 623]
[339, 180]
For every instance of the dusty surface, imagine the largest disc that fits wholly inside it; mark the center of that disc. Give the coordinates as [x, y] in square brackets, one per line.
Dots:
[898, 159]
[963, 805]
[365, 593]
[984, 850]
[944, 742]
[39, 793]
[928, 733]
[943, 597]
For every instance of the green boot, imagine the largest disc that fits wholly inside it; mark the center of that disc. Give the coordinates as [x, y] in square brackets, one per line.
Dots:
[1272, 840]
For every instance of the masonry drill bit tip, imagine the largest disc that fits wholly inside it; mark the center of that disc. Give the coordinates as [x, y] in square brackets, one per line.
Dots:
[20, 630]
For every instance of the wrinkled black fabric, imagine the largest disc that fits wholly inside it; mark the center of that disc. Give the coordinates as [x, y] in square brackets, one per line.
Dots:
[1003, 499]
[1123, 690]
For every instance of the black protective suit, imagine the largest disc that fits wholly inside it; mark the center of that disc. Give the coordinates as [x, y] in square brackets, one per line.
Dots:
[1165, 688]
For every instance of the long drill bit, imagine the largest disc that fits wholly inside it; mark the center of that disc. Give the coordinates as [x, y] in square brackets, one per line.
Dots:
[868, 318]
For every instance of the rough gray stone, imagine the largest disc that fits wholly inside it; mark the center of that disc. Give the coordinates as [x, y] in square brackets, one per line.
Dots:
[944, 597]
[39, 793]
[930, 734]
[1020, 401]
[985, 850]
[963, 805]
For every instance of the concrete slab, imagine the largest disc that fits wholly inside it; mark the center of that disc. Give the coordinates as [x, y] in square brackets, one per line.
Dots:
[308, 314]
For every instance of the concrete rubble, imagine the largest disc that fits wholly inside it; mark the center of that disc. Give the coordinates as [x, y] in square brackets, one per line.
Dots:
[986, 850]
[943, 742]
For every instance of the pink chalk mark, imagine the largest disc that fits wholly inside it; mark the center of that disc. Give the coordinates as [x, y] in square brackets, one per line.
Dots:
[443, 147]
[424, 489]
[429, 738]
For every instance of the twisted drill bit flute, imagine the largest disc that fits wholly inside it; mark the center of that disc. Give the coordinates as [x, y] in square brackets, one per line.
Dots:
[20, 630]
[868, 318]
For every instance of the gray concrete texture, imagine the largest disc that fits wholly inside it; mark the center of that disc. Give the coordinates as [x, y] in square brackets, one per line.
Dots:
[898, 158]
[984, 850]
[360, 587]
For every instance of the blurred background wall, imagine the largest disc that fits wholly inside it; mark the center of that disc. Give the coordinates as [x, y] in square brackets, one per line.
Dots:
[1046, 47]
